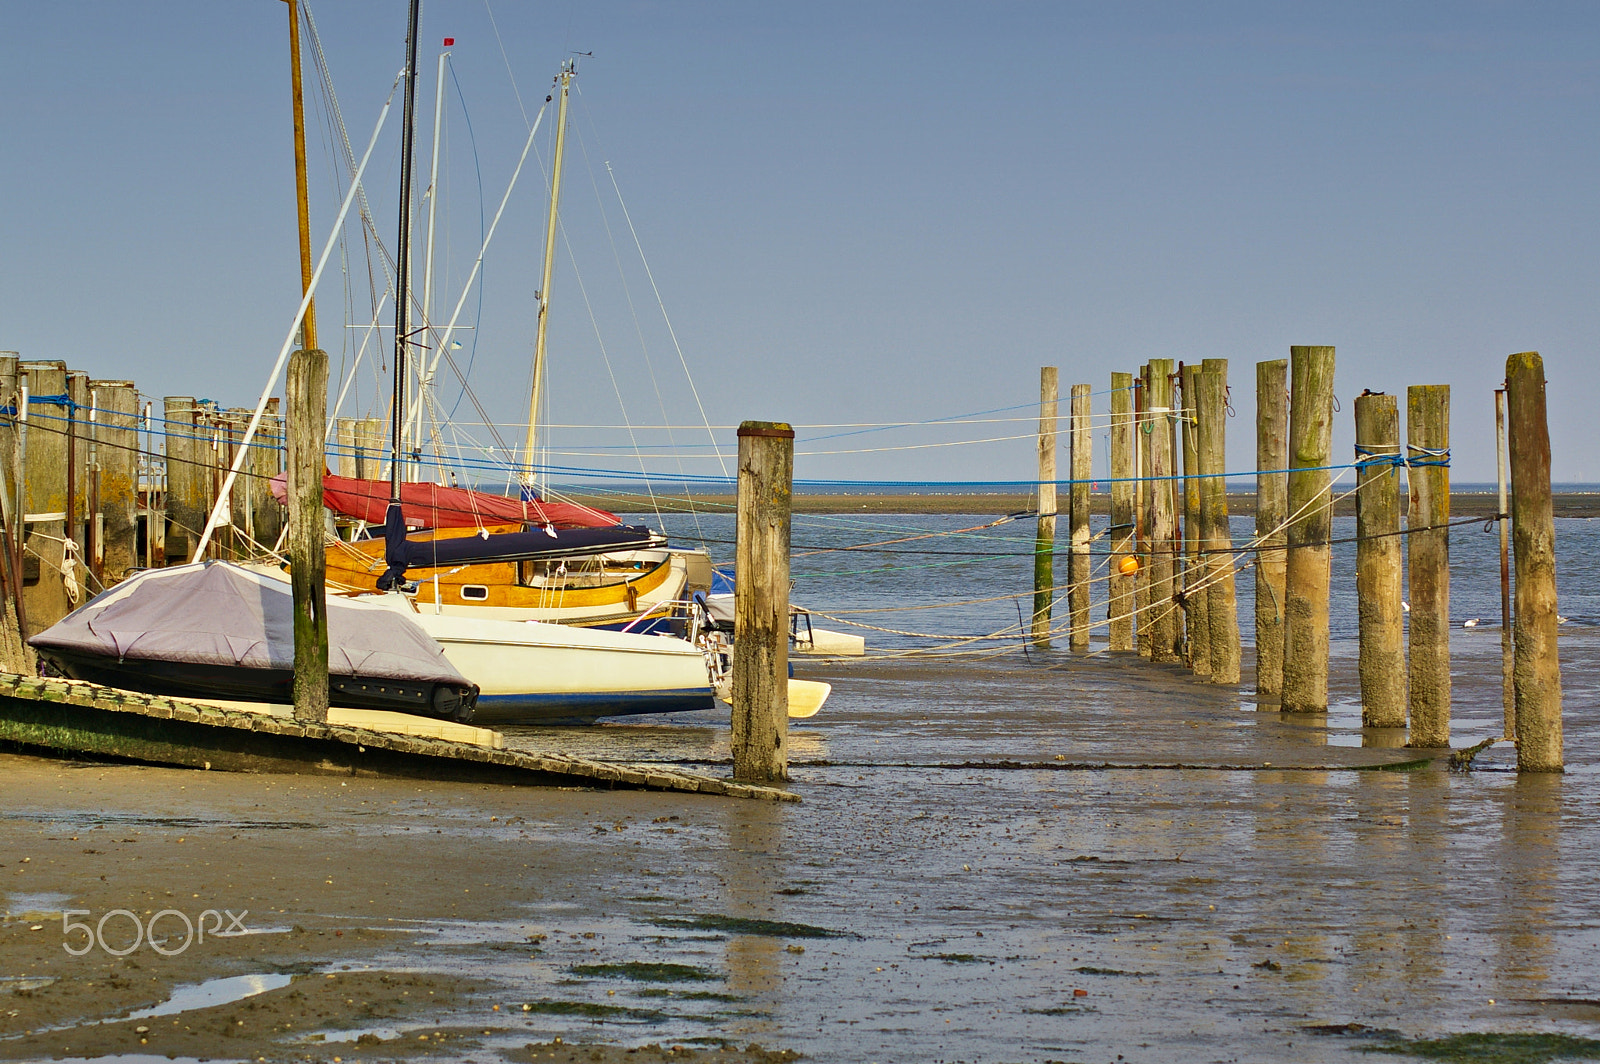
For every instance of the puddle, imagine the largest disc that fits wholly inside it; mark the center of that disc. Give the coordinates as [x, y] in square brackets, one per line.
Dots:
[334, 1037]
[26, 982]
[34, 906]
[213, 992]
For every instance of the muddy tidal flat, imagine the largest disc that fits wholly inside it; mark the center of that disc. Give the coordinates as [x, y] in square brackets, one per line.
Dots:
[1001, 856]
[1058, 857]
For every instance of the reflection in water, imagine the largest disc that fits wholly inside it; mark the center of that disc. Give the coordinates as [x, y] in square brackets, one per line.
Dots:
[1530, 844]
[753, 876]
[1383, 738]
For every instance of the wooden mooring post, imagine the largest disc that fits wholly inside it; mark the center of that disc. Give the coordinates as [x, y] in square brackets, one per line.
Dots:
[1120, 600]
[1078, 561]
[1428, 563]
[1044, 542]
[185, 518]
[1195, 601]
[1508, 690]
[307, 396]
[1166, 641]
[1379, 589]
[1272, 507]
[1142, 509]
[44, 448]
[761, 603]
[116, 472]
[1216, 540]
[1536, 672]
[1308, 567]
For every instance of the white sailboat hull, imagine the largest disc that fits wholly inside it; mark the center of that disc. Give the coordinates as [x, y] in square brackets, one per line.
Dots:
[531, 672]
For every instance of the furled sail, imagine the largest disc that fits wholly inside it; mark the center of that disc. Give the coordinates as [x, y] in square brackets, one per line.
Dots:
[436, 506]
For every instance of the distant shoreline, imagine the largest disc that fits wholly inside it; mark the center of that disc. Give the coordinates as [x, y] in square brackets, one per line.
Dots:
[995, 504]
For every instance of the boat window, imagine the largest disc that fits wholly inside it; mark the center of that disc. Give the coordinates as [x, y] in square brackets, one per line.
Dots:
[474, 592]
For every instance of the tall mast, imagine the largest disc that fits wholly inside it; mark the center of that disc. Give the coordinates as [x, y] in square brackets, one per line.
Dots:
[564, 80]
[433, 208]
[394, 524]
[308, 333]
[402, 297]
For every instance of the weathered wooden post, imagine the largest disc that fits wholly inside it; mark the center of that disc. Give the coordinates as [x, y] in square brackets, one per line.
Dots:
[266, 462]
[185, 519]
[45, 495]
[761, 603]
[1222, 610]
[1537, 665]
[345, 447]
[1379, 588]
[1119, 608]
[369, 448]
[1508, 687]
[1141, 511]
[307, 395]
[1272, 507]
[1195, 599]
[117, 456]
[1078, 561]
[1044, 543]
[1308, 567]
[1166, 637]
[1428, 562]
[14, 656]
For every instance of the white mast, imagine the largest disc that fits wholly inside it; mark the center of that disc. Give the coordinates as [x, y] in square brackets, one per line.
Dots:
[427, 266]
[564, 81]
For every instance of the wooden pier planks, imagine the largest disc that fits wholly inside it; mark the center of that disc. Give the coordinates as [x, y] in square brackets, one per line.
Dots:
[72, 717]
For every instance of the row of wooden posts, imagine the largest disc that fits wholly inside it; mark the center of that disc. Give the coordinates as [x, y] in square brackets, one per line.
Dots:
[1172, 559]
[106, 483]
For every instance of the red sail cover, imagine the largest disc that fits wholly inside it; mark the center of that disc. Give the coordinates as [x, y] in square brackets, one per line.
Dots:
[436, 506]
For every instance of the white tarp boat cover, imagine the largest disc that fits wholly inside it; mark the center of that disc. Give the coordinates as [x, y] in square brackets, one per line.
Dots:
[216, 613]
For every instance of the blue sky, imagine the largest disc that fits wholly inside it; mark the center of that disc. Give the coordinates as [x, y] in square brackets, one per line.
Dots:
[856, 213]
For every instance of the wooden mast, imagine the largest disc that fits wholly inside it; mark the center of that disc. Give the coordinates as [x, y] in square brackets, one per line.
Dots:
[564, 83]
[308, 328]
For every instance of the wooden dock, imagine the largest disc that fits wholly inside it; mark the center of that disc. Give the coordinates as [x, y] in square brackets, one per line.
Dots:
[70, 717]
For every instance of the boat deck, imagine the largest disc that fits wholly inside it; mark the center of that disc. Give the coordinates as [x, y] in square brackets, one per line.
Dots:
[72, 717]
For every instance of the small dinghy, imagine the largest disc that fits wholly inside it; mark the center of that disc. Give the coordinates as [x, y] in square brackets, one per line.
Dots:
[217, 630]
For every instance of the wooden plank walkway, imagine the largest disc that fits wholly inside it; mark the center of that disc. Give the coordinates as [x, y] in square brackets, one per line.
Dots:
[73, 717]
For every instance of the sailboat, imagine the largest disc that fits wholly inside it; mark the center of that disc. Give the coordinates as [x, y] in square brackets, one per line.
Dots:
[525, 670]
[608, 575]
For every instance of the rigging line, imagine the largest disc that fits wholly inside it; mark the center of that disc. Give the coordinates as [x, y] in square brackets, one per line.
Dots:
[507, 59]
[605, 355]
[441, 341]
[472, 137]
[660, 303]
[288, 341]
[633, 309]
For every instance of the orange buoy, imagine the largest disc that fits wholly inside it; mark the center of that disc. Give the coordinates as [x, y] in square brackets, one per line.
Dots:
[1128, 566]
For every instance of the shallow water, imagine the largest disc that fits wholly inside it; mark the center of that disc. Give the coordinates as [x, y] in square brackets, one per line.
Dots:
[981, 872]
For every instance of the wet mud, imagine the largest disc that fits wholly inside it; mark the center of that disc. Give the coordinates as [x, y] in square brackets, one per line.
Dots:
[1002, 859]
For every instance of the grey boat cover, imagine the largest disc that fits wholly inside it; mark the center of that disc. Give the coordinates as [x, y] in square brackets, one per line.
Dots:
[217, 613]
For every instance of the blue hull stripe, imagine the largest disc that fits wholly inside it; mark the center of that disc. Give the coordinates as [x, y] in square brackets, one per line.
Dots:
[536, 705]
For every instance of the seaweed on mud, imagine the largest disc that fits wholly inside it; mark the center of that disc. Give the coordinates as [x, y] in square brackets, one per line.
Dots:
[957, 958]
[739, 925]
[1062, 1010]
[690, 995]
[647, 972]
[1350, 1030]
[1494, 1048]
[1090, 970]
[593, 1011]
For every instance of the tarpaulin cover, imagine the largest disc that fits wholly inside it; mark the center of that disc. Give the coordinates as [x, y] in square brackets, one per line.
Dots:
[216, 613]
[436, 506]
[528, 546]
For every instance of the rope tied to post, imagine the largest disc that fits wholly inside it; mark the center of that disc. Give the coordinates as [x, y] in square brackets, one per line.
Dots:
[1367, 458]
[63, 400]
[1427, 456]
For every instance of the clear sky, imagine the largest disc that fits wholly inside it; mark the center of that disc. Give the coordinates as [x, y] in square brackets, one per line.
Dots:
[855, 212]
